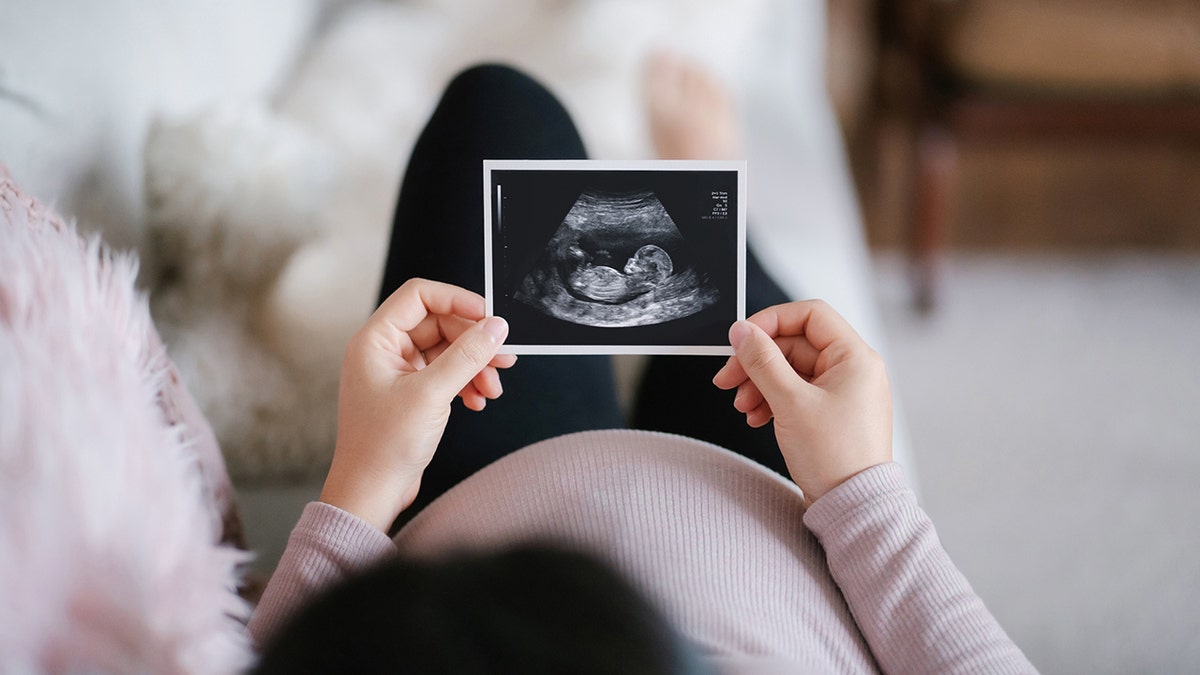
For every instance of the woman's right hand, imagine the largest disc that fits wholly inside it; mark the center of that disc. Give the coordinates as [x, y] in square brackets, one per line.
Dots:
[803, 365]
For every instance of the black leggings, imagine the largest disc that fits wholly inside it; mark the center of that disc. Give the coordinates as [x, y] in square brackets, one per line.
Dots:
[494, 112]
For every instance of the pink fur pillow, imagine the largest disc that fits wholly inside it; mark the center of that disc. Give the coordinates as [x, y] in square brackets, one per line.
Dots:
[113, 498]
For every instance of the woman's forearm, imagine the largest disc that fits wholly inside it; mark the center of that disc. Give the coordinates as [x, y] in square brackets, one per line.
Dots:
[916, 610]
[325, 547]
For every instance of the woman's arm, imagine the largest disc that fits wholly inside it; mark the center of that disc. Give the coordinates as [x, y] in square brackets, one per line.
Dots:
[915, 609]
[327, 546]
[802, 365]
[426, 344]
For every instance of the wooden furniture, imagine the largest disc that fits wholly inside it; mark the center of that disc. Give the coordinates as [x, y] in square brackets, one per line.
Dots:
[1025, 71]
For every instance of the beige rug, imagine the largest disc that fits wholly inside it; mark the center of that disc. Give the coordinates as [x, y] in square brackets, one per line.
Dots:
[1052, 403]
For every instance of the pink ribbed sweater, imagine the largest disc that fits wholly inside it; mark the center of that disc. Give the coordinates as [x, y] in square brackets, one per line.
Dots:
[858, 583]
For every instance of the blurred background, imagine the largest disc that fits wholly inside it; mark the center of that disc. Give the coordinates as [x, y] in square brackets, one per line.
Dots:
[1030, 179]
[1003, 195]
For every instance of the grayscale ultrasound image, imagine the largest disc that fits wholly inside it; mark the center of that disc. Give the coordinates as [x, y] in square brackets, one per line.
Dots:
[615, 262]
[604, 257]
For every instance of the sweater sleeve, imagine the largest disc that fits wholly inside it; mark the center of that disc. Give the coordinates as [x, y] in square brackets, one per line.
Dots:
[915, 609]
[325, 547]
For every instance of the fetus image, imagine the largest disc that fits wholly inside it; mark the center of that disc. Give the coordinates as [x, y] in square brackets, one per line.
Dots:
[599, 283]
[616, 260]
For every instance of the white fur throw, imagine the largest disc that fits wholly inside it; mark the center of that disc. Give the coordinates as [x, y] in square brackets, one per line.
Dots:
[110, 502]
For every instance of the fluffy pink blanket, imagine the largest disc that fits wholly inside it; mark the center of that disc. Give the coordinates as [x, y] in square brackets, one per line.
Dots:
[115, 508]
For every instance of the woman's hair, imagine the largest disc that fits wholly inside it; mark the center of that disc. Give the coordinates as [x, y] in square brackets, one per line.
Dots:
[530, 609]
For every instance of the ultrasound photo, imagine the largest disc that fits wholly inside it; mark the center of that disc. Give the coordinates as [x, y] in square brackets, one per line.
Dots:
[595, 257]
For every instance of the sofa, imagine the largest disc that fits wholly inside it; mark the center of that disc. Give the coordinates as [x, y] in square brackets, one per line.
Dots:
[183, 133]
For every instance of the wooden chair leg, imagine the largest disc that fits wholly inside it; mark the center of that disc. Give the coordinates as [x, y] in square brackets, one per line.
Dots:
[932, 207]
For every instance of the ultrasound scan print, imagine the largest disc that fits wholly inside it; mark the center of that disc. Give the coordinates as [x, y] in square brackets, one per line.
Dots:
[617, 260]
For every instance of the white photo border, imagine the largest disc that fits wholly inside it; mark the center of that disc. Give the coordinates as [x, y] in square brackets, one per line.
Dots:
[738, 166]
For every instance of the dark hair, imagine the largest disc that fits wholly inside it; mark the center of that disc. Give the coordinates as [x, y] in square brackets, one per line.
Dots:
[530, 609]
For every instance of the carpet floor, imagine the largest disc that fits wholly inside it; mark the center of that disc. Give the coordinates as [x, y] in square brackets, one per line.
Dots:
[1053, 403]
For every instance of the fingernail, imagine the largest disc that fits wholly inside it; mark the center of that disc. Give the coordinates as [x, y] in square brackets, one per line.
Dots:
[496, 327]
[738, 332]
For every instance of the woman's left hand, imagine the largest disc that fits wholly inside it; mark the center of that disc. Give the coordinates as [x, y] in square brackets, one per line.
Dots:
[426, 344]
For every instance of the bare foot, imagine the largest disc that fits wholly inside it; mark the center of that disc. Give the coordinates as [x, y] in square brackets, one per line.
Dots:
[692, 115]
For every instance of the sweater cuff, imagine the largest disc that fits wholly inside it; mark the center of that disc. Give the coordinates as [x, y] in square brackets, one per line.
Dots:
[326, 546]
[861, 490]
[357, 543]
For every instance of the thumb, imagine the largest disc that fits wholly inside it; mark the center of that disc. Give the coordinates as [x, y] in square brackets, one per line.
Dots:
[454, 368]
[763, 362]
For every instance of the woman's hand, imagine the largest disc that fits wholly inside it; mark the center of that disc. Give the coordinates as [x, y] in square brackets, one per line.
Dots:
[803, 364]
[427, 343]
